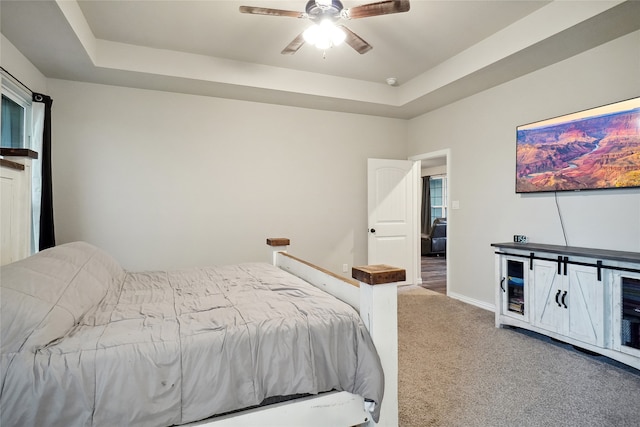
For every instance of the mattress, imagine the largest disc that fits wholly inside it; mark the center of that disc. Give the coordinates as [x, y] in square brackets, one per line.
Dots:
[85, 343]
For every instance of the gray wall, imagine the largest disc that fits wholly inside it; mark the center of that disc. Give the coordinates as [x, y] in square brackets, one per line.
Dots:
[480, 132]
[165, 180]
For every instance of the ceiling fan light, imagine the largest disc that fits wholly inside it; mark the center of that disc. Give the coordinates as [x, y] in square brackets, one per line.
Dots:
[324, 35]
[323, 43]
[311, 34]
[326, 25]
[338, 36]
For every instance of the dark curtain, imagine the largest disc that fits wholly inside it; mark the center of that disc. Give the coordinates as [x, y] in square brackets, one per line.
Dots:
[47, 234]
[426, 206]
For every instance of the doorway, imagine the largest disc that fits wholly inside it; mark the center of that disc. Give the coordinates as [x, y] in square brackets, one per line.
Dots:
[435, 266]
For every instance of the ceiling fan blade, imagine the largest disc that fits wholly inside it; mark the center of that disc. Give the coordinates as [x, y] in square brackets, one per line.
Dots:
[294, 45]
[379, 8]
[355, 41]
[272, 12]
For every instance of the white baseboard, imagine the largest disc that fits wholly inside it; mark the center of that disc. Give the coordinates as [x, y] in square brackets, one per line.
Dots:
[477, 303]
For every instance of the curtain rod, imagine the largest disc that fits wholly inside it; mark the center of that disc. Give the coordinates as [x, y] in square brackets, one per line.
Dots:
[17, 80]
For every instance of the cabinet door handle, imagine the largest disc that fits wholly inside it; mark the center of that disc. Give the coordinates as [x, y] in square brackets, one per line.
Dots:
[557, 300]
[564, 295]
[502, 285]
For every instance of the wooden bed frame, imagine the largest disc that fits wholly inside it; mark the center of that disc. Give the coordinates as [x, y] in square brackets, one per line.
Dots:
[374, 295]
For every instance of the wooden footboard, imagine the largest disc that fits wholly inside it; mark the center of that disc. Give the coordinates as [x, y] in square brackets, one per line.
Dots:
[374, 295]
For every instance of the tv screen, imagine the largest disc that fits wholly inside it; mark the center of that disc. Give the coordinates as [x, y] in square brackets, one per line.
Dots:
[592, 149]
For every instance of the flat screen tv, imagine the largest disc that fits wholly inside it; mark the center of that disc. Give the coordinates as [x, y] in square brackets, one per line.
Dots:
[592, 149]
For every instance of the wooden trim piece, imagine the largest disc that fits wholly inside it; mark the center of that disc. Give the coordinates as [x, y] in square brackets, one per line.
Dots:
[12, 165]
[278, 241]
[378, 274]
[344, 279]
[18, 152]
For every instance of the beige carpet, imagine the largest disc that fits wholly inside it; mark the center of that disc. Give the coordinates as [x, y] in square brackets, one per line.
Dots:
[457, 369]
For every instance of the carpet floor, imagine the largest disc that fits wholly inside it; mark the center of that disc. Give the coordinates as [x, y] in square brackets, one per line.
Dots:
[457, 369]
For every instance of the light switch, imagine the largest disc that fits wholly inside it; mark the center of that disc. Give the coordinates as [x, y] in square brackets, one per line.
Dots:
[455, 204]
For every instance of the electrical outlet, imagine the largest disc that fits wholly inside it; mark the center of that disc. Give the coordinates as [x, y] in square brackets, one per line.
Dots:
[345, 268]
[520, 238]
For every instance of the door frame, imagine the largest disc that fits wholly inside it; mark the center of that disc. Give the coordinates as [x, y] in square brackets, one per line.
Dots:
[446, 154]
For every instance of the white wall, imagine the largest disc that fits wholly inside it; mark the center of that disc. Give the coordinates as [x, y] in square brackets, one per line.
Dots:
[19, 66]
[164, 180]
[480, 131]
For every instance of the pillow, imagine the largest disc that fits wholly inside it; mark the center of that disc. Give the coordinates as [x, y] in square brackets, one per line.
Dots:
[45, 295]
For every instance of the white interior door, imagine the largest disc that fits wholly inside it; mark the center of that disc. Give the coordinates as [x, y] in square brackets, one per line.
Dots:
[393, 214]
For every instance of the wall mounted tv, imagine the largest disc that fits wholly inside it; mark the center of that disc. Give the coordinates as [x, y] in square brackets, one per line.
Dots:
[593, 149]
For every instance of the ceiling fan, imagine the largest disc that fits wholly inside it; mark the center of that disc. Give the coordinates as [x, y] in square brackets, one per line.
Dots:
[324, 14]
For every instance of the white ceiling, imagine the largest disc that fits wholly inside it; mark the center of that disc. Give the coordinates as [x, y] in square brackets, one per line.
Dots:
[217, 29]
[439, 51]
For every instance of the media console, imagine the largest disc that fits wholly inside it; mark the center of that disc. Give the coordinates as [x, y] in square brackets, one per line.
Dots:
[589, 298]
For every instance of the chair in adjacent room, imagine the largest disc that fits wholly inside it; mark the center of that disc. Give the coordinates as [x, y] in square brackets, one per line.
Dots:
[435, 243]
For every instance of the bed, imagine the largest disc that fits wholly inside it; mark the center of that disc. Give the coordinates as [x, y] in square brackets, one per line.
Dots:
[86, 343]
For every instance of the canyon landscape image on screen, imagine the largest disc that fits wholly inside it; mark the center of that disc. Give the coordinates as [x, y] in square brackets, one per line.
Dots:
[593, 149]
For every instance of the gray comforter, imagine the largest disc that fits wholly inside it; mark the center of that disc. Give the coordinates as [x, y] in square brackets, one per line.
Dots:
[84, 343]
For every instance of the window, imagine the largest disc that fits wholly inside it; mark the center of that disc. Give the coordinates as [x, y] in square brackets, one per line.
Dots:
[438, 193]
[16, 116]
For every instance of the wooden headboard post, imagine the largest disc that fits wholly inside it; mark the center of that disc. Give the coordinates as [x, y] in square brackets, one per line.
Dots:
[379, 311]
[278, 244]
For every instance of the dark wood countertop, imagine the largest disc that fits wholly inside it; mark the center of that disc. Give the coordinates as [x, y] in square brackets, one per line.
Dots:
[612, 255]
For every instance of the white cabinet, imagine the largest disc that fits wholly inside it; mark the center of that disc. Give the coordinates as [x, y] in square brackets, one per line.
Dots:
[15, 207]
[586, 297]
[568, 300]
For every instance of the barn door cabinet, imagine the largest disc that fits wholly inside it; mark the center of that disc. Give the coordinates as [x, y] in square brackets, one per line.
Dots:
[589, 298]
[568, 299]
